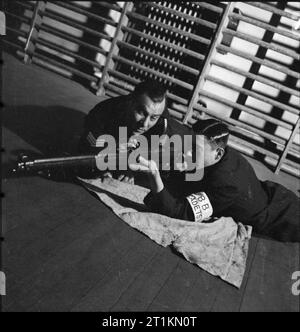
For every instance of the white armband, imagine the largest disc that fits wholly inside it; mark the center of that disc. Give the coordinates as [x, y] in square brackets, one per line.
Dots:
[201, 206]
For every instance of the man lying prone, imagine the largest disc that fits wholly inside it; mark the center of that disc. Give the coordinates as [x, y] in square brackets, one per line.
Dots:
[142, 112]
[228, 187]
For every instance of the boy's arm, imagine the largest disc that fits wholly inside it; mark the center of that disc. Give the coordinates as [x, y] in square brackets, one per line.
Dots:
[195, 207]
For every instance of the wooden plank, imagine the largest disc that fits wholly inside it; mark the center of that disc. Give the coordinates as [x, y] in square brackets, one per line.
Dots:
[239, 123]
[83, 259]
[63, 50]
[66, 36]
[182, 279]
[20, 193]
[204, 292]
[135, 81]
[176, 115]
[20, 18]
[18, 47]
[36, 21]
[27, 5]
[176, 98]
[72, 70]
[274, 10]
[27, 222]
[266, 26]
[183, 15]
[294, 165]
[263, 62]
[284, 255]
[170, 28]
[119, 91]
[200, 83]
[142, 290]
[165, 43]
[258, 78]
[123, 273]
[159, 57]
[257, 41]
[108, 5]
[79, 10]
[49, 241]
[261, 53]
[261, 97]
[113, 48]
[58, 17]
[103, 284]
[17, 32]
[234, 127]
[247, 144]
[154, 72]
[259, 148]
[269, 285]
[111, 94]
[208, 6]
[124, 77]
[287, 147]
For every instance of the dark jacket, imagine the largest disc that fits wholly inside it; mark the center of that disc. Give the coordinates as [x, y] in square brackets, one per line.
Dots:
[107, 116]
[232, 189]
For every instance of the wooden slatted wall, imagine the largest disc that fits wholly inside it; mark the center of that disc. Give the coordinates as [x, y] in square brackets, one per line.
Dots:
[168, 41]
[71, 38]
[253, 83]
[242, 59]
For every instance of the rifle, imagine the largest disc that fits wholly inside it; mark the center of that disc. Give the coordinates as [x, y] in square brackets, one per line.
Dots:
[26, 165]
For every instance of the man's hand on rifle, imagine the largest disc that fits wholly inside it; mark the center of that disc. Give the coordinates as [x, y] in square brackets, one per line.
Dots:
[126, 177]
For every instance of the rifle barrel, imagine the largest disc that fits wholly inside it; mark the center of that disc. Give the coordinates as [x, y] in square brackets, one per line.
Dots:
[38, 164]
[70, 161]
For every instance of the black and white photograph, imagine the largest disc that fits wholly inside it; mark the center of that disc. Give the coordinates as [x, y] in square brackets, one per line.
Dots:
[150, 159]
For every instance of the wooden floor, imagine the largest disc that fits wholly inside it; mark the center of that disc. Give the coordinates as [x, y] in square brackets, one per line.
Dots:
[66, 251]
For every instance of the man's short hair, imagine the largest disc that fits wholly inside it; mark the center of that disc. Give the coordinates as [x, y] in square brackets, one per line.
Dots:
[152, 88]
[214, 130]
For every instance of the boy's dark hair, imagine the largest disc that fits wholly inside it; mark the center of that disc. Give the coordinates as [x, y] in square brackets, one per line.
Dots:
[152, 88]
[215, 131]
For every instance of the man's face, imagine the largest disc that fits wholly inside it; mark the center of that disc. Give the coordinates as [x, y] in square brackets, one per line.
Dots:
[206, 154]
[146, 114]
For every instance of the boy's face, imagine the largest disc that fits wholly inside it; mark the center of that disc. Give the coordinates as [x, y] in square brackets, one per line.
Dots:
[145, 114]
[206, 153]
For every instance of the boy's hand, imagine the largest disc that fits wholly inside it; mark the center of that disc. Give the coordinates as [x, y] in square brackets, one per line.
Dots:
[150, 168]
[146, 166]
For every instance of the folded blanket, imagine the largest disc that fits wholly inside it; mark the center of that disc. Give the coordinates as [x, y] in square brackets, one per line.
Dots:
[219, 247]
